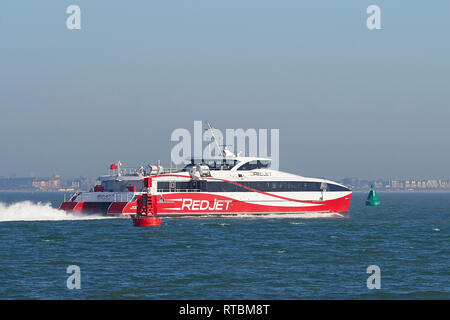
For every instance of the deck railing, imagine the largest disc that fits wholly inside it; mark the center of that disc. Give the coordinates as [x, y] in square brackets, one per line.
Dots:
[178, 190]
[107, 196]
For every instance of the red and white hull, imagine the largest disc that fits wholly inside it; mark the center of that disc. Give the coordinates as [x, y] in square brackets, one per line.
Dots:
[246, 186]
[196, 203]
[213, 204]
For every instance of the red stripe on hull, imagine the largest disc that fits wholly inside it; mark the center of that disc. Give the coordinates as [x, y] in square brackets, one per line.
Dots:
[68, 206]
[86, 207]
[79, 207]
[130, 208]
[202, 203]
[116, 207]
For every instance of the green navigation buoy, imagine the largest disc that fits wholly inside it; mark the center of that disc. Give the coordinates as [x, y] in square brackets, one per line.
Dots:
[372, 199]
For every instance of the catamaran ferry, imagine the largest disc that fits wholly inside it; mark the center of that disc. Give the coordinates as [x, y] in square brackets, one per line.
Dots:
[226, 185]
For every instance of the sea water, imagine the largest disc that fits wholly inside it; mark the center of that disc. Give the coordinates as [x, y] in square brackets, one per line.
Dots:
[274, 257]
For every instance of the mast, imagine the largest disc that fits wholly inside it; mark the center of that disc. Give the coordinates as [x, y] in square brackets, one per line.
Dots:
[215, 140]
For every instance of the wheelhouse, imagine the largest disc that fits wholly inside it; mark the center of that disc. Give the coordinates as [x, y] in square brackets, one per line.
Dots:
[230, 163]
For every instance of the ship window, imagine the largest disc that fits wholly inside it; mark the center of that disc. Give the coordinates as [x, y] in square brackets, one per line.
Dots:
[275, 186]
[263, 164]
[241, 186]
[335, 187]
[262, 186]
[256, 164]
[213, 164]
[221, 187]
[181, 185]
[162, 185]
[265, 186]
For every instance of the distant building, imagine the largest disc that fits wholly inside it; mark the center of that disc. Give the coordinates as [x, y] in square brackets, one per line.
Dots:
[16, 183]
[47, 184]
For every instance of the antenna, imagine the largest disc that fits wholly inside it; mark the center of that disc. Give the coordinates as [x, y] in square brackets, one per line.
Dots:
[214, 137]
[119, 168]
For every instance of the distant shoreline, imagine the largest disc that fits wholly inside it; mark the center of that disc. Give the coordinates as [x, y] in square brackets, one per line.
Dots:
[35, 191]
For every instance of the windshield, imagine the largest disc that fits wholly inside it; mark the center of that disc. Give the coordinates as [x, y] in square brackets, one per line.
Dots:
[213, 164]
[256, 164]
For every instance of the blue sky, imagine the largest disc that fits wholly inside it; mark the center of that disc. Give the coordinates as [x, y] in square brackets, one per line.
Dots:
[349, 102]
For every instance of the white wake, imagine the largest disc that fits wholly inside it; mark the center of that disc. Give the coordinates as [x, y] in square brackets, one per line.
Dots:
[29, 211]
